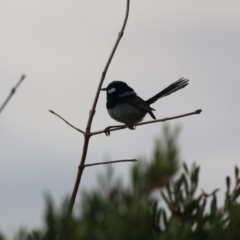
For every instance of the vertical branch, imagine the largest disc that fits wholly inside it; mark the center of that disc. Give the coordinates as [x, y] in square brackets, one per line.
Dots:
[87, 133]
[13, 90]
[120, 34]
[79, 175]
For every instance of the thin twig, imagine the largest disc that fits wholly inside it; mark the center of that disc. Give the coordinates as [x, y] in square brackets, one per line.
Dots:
[87, 133]
[120, 34]
[210, 194]
[119, 127]
[13, 90]
[79, 130]
[109, 162]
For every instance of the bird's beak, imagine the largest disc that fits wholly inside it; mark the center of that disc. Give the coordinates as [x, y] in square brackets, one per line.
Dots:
[103, 89]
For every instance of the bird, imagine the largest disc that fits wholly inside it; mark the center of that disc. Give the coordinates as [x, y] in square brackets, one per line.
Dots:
[125, 106]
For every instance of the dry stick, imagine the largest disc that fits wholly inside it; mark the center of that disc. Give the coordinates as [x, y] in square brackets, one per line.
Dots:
[79, 130]
[87, 134]
[110, 162]
[13, 90]
[119, 127]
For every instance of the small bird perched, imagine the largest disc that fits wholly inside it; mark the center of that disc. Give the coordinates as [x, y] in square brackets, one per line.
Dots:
[125, 106]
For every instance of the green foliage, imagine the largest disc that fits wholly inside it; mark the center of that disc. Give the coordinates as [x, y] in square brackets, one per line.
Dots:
[156, 205]
[1, 237]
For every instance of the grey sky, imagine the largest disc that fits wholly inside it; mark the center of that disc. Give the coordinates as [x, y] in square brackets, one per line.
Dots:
[62, 47]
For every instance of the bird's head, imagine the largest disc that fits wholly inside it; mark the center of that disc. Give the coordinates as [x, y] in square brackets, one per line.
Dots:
[118, 89]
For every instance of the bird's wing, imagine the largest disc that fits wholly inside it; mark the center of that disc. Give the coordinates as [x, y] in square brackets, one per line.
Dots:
[140, 104]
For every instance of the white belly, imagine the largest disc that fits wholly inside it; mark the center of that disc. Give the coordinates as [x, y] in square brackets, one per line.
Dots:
[126, 113]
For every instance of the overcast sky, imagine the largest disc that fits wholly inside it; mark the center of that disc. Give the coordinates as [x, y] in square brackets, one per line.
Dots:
[62, 47]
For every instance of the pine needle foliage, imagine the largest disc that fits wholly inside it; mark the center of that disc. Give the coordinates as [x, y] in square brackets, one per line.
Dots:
[161, 202]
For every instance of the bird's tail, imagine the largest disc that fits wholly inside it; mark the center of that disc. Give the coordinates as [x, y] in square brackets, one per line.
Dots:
[179, 84]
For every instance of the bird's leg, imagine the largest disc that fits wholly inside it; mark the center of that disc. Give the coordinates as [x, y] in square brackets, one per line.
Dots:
[131, 127]
[107, 131]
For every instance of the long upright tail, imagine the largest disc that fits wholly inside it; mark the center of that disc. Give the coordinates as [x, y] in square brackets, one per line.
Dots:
[179, 84]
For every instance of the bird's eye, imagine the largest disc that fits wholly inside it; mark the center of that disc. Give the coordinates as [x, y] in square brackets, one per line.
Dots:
[111, 90]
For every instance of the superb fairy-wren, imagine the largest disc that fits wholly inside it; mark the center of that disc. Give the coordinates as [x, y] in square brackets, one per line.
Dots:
[125, 106]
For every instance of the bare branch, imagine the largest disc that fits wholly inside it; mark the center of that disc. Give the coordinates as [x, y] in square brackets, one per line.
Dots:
[13, 90]
[87, 133]
[79, 130]
[109, 162]
[119, 127]
[120, 34]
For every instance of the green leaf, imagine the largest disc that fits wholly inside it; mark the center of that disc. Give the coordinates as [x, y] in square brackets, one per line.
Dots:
[158, 215]
[185, 168]
[166, 200]
[194, 178]
[228, 182]
[169, 192]
[214, 204]
[154, 208]
[178, 184]
[185, 184]
[165, 221]
[236, 173]
[178, 197]
[236, 194]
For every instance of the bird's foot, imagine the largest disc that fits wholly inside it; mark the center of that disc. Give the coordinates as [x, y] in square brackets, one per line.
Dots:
[132, 127]
[107, 131]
